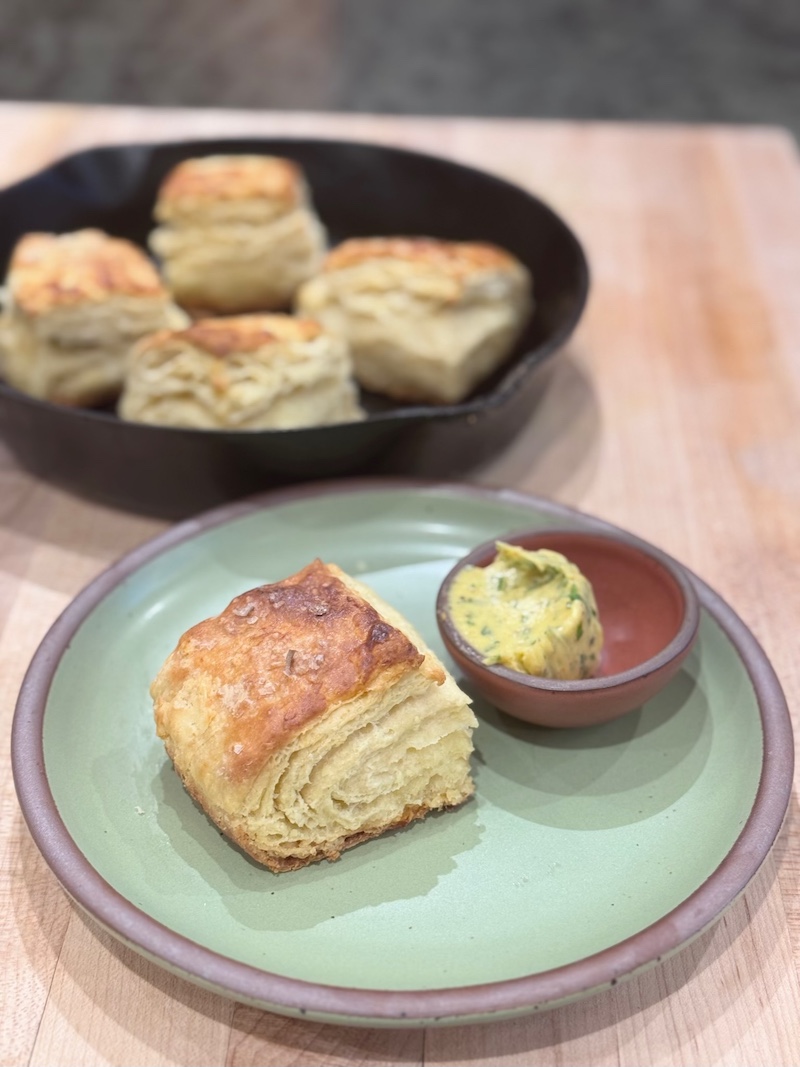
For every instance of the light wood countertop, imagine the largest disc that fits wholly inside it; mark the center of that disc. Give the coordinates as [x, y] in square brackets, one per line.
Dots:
[674, 412]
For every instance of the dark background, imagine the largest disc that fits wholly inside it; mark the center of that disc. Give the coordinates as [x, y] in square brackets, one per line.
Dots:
[718, 60]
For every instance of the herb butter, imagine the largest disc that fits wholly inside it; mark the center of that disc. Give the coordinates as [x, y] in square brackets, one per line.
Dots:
[534, 612]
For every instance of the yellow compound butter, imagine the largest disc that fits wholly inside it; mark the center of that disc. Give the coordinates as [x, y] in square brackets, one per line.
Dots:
[533, 612]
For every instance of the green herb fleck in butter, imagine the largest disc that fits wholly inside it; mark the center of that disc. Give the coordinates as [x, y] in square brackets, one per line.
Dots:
[530, 611]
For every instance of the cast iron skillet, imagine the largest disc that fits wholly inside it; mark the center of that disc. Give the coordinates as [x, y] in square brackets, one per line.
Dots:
[358, 190]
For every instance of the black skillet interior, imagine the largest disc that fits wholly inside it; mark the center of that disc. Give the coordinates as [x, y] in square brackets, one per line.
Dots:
[358, 190]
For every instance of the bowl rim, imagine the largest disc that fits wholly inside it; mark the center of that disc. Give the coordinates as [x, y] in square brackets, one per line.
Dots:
[676, 647]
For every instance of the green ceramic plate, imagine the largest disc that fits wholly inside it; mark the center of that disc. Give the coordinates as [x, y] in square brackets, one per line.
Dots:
[585, 856]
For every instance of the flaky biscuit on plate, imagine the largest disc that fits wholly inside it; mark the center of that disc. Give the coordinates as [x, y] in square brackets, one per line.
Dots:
[74, 303]
[426, 320]
[236, 233]
[246, 372]
[309, 716]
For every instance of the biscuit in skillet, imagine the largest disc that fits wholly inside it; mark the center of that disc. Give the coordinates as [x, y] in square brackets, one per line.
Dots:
[74, 305]
[236, 233]
[246, 372]
[426, 320]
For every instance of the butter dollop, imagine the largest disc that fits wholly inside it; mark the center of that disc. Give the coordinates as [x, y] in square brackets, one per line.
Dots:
[531, 611]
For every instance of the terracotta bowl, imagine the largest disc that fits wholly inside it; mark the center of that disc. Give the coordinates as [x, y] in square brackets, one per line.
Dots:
[650, 614]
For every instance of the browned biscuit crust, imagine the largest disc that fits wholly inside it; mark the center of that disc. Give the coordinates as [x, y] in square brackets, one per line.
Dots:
[457, 259]
[280, 655]
[209, 179]
[49, 271]
[240, 333]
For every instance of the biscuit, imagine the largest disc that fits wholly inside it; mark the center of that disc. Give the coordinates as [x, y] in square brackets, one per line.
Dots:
[246, 372]
[74, 304]
[426, 320]
[236, 233]
[309, 716]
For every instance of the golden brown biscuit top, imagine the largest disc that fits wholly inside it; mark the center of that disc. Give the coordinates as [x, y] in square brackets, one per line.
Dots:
[213, 178]
[48, 271]
[457, 259]
[238, 333]
[282, 654]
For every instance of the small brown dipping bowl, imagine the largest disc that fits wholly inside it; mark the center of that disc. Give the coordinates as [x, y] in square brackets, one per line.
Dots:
[650, 614]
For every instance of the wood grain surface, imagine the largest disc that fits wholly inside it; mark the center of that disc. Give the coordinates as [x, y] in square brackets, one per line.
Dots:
[674, 412]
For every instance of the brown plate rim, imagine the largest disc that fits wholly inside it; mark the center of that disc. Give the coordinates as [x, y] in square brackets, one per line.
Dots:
[354, 1006]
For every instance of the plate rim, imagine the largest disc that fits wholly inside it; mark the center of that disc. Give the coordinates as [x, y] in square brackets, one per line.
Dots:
[350, 1005]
